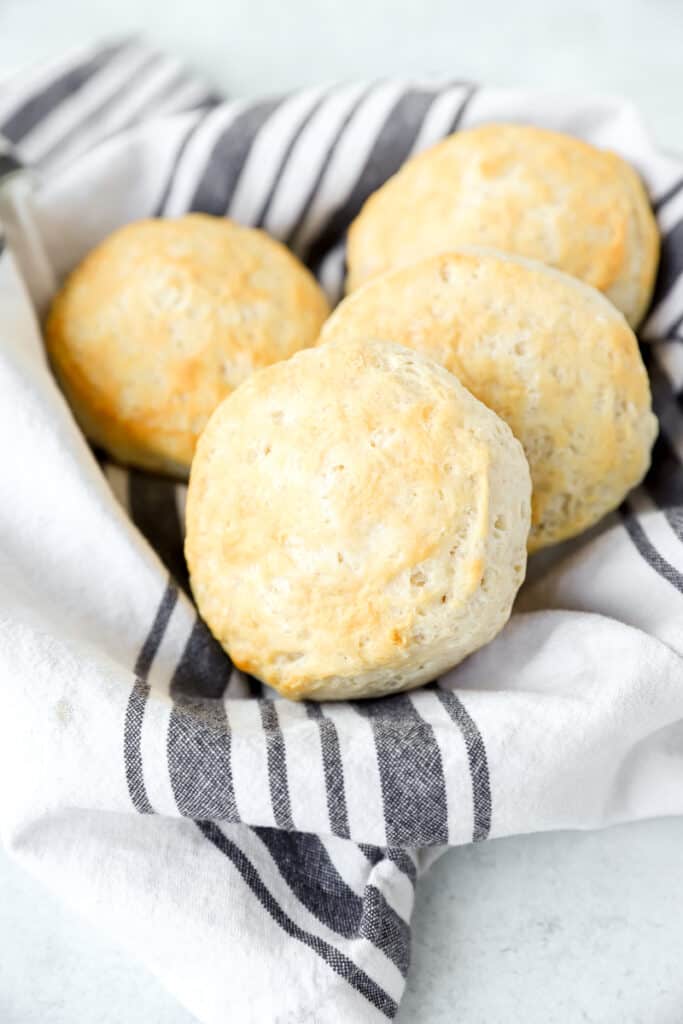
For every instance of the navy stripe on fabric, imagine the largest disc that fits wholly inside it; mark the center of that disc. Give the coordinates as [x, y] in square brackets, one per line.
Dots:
[8, 164]
[649, 552]
[199, 759]
[411, 772]
[397, 856]
[383, 927]
[462, 109]
[254, 685]
[277, 765]
[662, 392]
[670, 265]
[664, 481]
[671, 332]
[221, 174]
[137, 701]
[334, 958]
[204, 668]
[391, 148]
[29, 115]
[258, 222]
[308, 870]
[95, 115]
[199, 744]
[182, 149]
[153, 509]
[674, 518]
[403, 861]
[156, 633]
[315, 186]
[667, 196]
[163, 97]
[478, 762]
[132, 756]
[333, 769]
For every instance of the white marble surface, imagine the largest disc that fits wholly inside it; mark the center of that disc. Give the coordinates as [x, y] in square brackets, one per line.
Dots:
[541, 930]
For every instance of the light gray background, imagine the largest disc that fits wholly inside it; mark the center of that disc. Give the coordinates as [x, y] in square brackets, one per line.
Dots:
[542, 929]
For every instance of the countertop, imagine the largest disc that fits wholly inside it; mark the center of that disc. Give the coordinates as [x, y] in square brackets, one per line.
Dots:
[541, 929]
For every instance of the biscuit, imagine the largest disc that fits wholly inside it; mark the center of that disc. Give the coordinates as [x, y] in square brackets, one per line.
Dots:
[547, 353]
[356, 522]
[523, 190]
[164, 319]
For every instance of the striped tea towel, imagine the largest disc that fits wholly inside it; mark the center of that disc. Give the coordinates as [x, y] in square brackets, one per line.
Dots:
[261, 856]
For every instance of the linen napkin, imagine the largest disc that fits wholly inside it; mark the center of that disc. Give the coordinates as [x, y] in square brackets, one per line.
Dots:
[261, 856]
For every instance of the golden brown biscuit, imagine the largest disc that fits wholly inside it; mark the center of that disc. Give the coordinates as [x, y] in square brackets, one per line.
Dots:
[356, 522]
[523, 190]
[163, 320]
[549, 354]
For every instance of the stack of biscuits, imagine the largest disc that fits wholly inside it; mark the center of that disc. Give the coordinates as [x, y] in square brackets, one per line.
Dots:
[364, 486]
